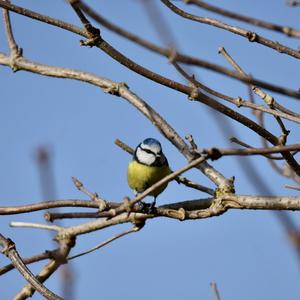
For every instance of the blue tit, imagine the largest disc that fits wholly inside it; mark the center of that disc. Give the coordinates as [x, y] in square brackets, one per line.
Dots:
[148, 166]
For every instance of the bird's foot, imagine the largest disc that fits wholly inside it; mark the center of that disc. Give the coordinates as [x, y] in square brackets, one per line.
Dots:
[147, 208]
[152, 208]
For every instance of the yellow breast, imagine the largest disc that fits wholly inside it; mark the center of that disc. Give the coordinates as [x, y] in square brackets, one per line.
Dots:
[140, 177]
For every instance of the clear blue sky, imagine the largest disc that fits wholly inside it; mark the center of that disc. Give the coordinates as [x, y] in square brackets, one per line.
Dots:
[246, 252]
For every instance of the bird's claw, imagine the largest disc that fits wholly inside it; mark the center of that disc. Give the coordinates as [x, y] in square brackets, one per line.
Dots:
[147, 208]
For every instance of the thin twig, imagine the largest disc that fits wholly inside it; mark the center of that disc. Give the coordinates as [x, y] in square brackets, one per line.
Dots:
[241, 143]
[131, 230]
[103, 45]
[13, 210]
[293, 3]
[286, 30]
[14, 49]
[28, 260]
[292, 187]
[36, 225]
[215, 153]
[269, 100]
[180, 57]
[238, 101]
[215, 290]
[251, 36]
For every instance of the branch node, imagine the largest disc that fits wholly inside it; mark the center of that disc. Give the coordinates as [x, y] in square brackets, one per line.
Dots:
[252, 36]
[101, 202]
[172, 55]
[194, 94]
[48, 216]
[9, 245]
[78, 184]
[212, 153]
[94, 36]
[182, 214]
[227, 189]
[283, 138]
[239, 101]
[287, 30]
[114, 89]
[126, 203]
[190, 139]
[15, 55]
[112, 212]
[268, 99]
[139, 223]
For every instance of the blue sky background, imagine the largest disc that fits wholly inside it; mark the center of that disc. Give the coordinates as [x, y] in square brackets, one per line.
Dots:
[246, 252]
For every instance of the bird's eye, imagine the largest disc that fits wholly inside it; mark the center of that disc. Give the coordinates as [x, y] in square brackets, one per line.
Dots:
[148, 151]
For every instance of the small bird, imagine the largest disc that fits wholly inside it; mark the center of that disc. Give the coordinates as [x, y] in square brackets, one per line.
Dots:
[148, 166]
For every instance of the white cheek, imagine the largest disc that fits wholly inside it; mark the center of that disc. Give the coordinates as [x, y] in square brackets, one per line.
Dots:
[144, 157]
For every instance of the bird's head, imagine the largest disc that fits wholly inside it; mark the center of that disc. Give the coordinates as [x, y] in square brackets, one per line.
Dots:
[149, 153]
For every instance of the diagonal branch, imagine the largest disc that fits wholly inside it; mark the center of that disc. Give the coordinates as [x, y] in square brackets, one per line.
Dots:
[180, 57]
[180, 179]
[115, 237]
[251, 36]
[166, 52]
[14, 49]
[28, 260]
[196, 95]
[286, 30]
[238, 101]
[9, 249]
[120, 89]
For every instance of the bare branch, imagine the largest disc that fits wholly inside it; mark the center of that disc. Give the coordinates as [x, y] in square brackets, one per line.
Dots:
[50, 204]
[238, 101]
[28, 260]
[95, 39]
[269, 100]
[293, 3]
[241, 143]
[251, 36]
[215, 290]
[215, 153]
[292, 187]
[180, 57]
[183, 58]
[286, 30]
[9, 249]
[123, 91]
[131, 230]
[14, 49]
[36, 225]
[65, 244]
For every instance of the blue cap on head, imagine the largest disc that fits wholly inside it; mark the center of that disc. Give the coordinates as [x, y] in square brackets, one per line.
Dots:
[151, 142]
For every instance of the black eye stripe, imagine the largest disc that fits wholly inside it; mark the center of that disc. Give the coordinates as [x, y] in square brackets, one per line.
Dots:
[147, 150]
